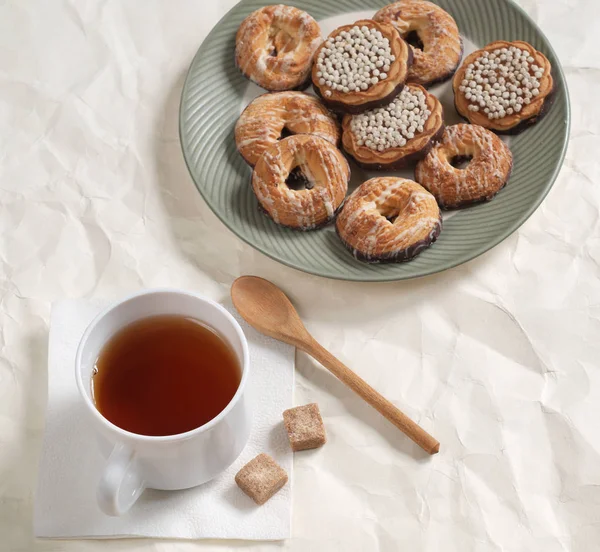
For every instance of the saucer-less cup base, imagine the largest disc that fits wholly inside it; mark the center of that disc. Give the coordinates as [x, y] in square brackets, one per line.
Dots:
[136, 462]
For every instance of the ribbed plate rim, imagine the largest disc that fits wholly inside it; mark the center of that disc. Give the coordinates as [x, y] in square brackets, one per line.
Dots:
[374, 277]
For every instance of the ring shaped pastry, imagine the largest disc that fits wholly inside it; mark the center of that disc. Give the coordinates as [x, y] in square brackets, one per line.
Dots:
[393, 136]
[275, 45]
[273, 116]
[486, 174]
[361, 66]
[433, 36]
[506, 87]
[389, 219]
[301, 181]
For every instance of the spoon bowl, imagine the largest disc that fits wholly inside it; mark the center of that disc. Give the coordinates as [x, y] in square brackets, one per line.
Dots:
[266, 308]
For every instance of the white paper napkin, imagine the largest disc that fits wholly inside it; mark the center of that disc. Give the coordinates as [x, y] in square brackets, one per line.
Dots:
[71, 464]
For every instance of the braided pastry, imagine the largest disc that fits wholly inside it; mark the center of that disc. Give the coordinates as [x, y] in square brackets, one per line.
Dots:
[361, 66]
[433, 35]
[389, 219]
[275, 45]
[271, 116]
[301, 181]
[485, 175]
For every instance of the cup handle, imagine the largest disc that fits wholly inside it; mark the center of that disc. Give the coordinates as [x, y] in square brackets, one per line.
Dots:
[121, 483]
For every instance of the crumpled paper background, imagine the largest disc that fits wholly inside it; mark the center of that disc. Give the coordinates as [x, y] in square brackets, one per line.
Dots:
[498, 358]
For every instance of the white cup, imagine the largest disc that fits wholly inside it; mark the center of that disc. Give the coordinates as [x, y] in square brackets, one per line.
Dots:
[136, 462]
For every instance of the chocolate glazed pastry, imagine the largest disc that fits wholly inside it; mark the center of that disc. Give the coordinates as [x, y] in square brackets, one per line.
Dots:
[271, 117]
[388, 220]
[505, 87]
[488, 170]
[275, 45]
[361, 66]
[433, 37]
[301, 181]
[392, 137]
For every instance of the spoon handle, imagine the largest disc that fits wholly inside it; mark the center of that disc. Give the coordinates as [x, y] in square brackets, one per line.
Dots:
[375, 399]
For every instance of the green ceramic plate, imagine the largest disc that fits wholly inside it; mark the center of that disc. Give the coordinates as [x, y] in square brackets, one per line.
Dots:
[215, 93]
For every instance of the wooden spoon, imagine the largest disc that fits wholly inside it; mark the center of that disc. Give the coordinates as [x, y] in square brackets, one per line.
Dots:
[266, 308]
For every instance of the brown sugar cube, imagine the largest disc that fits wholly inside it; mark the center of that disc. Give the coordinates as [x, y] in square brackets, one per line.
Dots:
[261, 478]
[305, 427]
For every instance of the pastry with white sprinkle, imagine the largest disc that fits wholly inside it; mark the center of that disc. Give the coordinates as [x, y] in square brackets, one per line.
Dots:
[433, 36]
[397, 134]
[361, 66]
[389, 219]
[271, 117]
[301, 181]
[506, 87]
[454, 185]
[275, 45]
